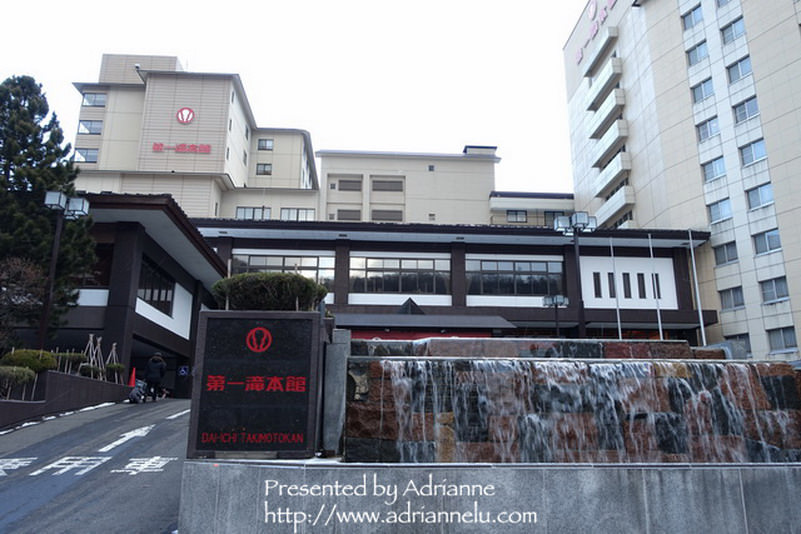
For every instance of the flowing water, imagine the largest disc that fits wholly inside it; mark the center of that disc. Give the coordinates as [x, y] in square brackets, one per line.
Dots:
[533, 410]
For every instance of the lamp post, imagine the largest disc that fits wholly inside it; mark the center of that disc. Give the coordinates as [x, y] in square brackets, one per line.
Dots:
[69, 209]
[572, 226]
[555, 301]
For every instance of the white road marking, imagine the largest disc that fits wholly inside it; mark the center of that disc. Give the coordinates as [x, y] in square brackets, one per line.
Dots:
[139, 432]
[179, 414]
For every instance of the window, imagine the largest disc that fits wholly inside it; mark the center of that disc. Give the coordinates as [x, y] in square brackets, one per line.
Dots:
[516, 216]
[641, 285]
[626, 285]
[297, 214]
[719, 211]
[387, 215]
[513, 277]
[349, 215]
[739, 70]
[745, 339]
[90, 127]
[782, 339]
[256, 213]
[247, 132]
[375, 274]
[722, 2]
[596, 283]
[265, 144]
[97, 100]
[697, 53]
[753, 152]
[431, 168]
[745, 110]
[765, 242]
[245, 157]
[628, 216]
[610, 278]
[774, 290]
[707, 129]
[692, 17]
[656, 286]
[387, 185]
[760, 196]
[702, 91]
[319, 269]
[550, 217]
[264, 169]
[156, 287]
[350, 185]
[714, 169]
[731, 298]
[732, 31]
[86, 155]
[725, 253]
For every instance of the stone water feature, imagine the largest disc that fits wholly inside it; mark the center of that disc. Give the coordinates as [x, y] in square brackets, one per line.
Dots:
[543, 401]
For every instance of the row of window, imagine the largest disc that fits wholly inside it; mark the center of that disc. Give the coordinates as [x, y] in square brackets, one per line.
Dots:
[750, 153]
[779, 339]
[627, 285]
[262, 213]
[773, 290]
[743, 111]
[374, 274]
[377, 184]
[764, 242]
[757, 197]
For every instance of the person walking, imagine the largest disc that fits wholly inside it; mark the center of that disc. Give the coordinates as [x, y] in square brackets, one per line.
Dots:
[154, 373]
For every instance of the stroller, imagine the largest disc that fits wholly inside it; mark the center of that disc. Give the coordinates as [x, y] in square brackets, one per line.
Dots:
[137, 394]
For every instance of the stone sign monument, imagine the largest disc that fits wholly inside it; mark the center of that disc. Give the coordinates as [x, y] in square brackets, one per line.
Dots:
[256, 390]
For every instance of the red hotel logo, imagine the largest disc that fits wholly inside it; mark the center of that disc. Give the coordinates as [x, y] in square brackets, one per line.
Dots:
[185, 115]
[259, 339]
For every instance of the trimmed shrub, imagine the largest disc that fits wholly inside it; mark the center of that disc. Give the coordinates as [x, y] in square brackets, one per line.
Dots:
[269, 291]
[11, 376]
[35, 360]
[90, 371]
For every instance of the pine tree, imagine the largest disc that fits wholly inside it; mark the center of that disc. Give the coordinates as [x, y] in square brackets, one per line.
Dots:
[33, 160]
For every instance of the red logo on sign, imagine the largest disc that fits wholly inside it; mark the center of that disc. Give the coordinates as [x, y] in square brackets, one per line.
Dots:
[259, 339]
[185, 115]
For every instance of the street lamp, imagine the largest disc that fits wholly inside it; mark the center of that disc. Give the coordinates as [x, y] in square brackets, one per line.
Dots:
[69, 209]
[572, 226]
[555, 301]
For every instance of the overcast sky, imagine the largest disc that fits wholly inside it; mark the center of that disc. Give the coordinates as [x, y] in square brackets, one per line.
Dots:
[416, 76]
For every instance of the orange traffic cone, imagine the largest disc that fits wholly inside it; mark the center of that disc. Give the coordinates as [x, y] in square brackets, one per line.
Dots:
[132, 381]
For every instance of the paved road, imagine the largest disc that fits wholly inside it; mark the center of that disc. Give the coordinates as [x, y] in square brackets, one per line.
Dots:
[116, 468]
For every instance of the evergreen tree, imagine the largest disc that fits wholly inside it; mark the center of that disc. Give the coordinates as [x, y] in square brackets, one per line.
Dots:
[34, 160]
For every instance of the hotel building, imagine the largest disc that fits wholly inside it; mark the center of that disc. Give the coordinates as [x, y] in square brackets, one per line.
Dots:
[408, 244]
[685, 114]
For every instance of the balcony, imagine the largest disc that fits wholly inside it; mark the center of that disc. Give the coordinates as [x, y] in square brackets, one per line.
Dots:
[618, 203]
[603, 82]
[614, 138]
[603, 42]
[607, 113]
[619, 166]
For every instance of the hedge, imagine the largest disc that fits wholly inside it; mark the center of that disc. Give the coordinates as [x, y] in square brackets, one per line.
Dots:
[269, 291]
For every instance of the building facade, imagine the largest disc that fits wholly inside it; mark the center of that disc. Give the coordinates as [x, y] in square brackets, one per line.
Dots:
[684, 114]
[406, 243]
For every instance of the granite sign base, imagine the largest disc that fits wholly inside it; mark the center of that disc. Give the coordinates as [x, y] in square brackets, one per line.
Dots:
[327, 496]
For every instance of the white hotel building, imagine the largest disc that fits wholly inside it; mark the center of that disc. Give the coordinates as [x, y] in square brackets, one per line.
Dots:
[408, 244]
[686, 114]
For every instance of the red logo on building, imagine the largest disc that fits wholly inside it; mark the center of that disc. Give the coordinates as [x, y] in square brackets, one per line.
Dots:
[259, 339]
[185, 115]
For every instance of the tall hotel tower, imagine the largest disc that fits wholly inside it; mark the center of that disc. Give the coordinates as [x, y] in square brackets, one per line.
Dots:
[687, 114]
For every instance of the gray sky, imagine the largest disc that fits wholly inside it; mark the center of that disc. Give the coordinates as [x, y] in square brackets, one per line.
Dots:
[419, 75]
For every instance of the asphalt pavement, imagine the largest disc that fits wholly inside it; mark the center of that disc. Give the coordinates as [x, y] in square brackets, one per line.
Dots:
[106, 469]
